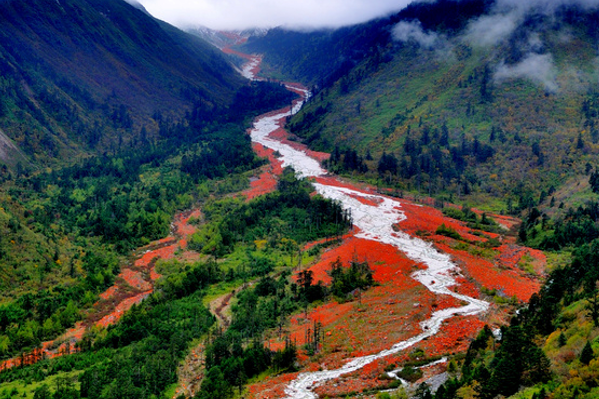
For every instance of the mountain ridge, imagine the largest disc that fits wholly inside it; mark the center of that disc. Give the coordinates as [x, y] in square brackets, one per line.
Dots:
[70, 65]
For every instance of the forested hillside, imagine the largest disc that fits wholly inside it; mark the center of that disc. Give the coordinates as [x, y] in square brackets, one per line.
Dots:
[85, 76]
[441, 106]
[112, 122]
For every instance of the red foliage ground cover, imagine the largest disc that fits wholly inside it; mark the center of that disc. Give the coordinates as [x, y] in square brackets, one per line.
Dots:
[121, 308]
[159, 253]
[135, 280]
[426, 219]
[508, 222]
[454, 337]
[391, 311]
[267, 181]
[131, 287]
[496, 274]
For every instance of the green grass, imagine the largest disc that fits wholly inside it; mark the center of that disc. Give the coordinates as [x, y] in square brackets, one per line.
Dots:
[26, 389]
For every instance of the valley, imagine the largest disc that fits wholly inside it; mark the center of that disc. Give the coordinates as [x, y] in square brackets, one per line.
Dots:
[445, 297]
[374, 217]
[416, 219]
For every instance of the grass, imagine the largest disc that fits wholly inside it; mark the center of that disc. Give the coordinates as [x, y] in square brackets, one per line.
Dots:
[557, 259]
[215, 291]
[26, 389]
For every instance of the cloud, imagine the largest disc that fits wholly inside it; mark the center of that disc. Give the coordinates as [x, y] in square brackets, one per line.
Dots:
[412, 31]
[490, 30]
[242, 14]
[537, 67]
[408, 31]
[507, 15]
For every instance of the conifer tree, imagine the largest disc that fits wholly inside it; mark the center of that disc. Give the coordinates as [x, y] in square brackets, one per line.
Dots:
[587, 354]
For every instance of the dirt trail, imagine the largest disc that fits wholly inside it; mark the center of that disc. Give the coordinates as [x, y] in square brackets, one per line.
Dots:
[220, 307]
[191, 371]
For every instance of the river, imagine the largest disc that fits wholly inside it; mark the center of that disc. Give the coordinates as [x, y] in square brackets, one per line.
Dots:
[375, 223]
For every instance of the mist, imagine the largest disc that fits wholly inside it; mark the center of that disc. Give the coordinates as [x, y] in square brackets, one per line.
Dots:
[243, 14]
[538, 68]
[507, 15]
[412, 31]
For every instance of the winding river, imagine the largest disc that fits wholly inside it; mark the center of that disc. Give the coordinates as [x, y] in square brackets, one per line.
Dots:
[375, 223]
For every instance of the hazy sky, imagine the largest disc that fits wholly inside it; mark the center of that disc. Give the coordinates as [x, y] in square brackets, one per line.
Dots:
[239, 14]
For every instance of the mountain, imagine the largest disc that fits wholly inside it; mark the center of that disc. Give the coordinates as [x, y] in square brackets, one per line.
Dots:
[87, 75]
[223, 39]
[456, 105]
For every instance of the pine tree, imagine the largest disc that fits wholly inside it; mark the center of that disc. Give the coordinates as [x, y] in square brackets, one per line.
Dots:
[587, 354]
[579, 142]
[561, 340]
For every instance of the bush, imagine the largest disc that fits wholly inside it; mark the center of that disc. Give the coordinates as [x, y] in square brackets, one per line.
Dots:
[448, 232]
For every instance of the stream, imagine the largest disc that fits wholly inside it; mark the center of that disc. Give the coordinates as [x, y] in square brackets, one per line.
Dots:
[375, 223]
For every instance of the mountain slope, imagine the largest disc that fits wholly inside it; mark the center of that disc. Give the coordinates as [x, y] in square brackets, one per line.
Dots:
[321, 57]
[458, 112]
[80, 74]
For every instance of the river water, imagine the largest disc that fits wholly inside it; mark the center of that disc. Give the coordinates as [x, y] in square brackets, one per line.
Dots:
[375, 223]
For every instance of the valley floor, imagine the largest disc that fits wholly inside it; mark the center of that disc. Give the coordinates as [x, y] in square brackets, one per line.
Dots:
[428, 298]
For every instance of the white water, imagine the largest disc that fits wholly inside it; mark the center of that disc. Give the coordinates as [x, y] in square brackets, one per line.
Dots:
[375, 223]
[247, 70]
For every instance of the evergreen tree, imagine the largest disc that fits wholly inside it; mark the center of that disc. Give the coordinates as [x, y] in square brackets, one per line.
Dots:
[423, 392]
[587, 354]
[43, 392]
[561, 340]
[214, 385]
[594, 181]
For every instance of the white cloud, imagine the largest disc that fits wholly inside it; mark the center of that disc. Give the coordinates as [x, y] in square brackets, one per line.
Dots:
[507, 15]
[241, 14]
[489, 30]
[537, 67]
[406, 31]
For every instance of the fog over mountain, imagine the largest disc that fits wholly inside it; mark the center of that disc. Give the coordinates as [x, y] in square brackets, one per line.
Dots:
[241, 14]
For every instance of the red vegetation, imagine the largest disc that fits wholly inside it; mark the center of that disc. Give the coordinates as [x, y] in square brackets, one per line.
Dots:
[121, 308]
[508, 222]
[426, 219]
[266, 182]
[390, 312]
[132, 286]
[455, 336]
[495, 275]
[135, 280]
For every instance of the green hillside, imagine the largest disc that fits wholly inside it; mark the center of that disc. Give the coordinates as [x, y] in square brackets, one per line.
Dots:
[86, 75]
[513, 120]
[111, 123]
